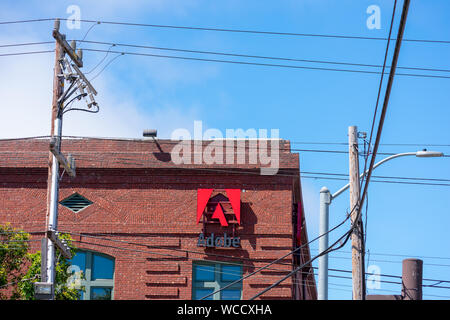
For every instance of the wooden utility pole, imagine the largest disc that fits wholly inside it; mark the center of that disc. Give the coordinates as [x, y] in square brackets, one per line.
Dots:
[355, 216]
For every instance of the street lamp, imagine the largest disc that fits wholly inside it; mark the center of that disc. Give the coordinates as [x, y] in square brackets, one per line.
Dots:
[325, 200]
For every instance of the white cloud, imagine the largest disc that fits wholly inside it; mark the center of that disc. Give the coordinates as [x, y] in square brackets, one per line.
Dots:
[25, 107]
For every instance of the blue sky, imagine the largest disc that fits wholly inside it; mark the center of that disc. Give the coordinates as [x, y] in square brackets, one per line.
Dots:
[305, 105]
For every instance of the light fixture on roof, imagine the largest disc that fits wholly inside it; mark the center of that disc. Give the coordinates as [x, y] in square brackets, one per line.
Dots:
[150, 133]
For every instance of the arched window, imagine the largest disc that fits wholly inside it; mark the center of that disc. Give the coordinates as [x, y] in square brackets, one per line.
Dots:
[98, 271]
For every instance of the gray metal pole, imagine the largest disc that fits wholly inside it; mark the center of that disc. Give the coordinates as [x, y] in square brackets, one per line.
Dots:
[325, 201]
[53, 180]
[53, 216]
[322, 284]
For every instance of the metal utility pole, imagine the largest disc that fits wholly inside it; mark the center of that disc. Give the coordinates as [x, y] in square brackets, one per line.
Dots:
[325, 201]
[53, 170]
[78, 82]
[355, 217]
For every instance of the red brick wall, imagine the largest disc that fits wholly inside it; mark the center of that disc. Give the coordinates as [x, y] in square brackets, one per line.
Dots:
[160, 211]
[153, 209]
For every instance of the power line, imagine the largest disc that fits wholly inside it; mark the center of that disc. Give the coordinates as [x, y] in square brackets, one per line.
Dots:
[26, 21]
[93, 25]
[100, 62]
[106, 65]
[256, 56]
[198, 252]
[381, 144]
[381, 181]
[152, 246]
[392, 73]
[291, 142]
[25, 53]
[387, 177]
[176, 256]
[327, 251]
[397, 255]
[263, 64]
[390, 261]
[225, 146]
[379, 93]
[269, 264]
[273, 262]
[223, 256]
[387, 275]
[141, 164]
[174, 142]
[215, 29]
[24, 44]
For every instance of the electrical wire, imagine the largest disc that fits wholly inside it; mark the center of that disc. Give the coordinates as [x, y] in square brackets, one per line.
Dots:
[303, 265]
[378, 93]
[202, 253]
[263, 64]
[252, 145]
[25, 44]
[141, 163]
[106, 65]
[255, 63]
[398, 262]
[290, 273]
[93, 25]
[361, 182]
[236, 171]
[271, 263]
[240, 264]
[385, 177]
[99, 63]
[259, 32]
[325, 252]
[291, 142]
[297, 281]
[25, 53]
[257, 56]
[392, 73]
[26, 21]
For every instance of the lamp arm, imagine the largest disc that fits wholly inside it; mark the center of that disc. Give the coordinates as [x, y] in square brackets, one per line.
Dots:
[337, 193]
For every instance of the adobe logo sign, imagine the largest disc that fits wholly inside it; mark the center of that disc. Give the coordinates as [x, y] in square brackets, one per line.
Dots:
[233, 195]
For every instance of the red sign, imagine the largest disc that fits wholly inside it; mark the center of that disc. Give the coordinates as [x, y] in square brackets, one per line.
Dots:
[234, 196]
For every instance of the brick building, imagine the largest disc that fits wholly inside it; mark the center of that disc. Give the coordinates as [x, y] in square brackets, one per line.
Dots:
[147, 228]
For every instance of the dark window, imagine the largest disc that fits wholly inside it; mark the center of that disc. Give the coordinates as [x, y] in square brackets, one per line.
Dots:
[208, 277]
